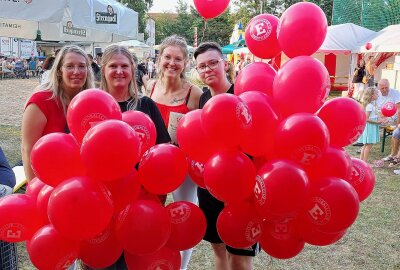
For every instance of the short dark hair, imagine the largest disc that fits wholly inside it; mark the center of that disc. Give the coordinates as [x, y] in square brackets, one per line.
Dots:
[90, 56]
[207, 46]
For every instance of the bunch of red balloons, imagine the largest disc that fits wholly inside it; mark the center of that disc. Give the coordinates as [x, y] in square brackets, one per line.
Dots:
[273, 152]
[90, 202]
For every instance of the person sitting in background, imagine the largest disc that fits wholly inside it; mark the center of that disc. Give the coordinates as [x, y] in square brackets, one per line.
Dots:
[7, 68]
[387, 94]
[8, 251]
[45, 110]
[46, 67]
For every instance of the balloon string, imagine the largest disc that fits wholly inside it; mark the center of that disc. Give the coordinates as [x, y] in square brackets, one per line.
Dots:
[204, 30]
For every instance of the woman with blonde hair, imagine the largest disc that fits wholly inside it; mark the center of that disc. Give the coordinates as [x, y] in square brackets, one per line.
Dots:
[45, 111]
[175, 96]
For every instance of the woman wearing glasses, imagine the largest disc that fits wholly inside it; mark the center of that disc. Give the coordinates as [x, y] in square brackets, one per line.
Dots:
[175, 96]
[45, 111]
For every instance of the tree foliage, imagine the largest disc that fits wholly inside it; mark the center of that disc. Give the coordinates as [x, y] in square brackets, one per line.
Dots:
[220, 29]
[141, 7]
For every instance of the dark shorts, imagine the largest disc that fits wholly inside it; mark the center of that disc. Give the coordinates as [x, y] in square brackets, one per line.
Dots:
[211, 208]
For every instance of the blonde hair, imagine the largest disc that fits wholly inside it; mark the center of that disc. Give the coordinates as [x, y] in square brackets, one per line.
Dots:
[176, 41]
[109, 52]
[230, 72]
[54, 83]
[367, 96]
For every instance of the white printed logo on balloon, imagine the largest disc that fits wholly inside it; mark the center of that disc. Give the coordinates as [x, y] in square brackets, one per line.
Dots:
[260, 191]
[179, 214]
[306, 154]
[357, 174]
[260, 29]
[161, 265]
[12, 231]
[244, 115]
[253, 230]
[320, 213]
[91, 120]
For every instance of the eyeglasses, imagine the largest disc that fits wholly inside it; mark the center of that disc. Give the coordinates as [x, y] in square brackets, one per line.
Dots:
[213, 64]
[70, 68]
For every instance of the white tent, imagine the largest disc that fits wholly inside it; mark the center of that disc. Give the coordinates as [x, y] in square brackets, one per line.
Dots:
[68, 20]
[344, 38]
[386, 40]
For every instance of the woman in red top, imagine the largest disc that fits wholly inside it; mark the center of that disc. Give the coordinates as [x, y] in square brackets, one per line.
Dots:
[45, 111]
[175, 96]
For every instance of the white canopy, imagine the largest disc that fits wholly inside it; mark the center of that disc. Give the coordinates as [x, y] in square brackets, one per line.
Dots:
[68, 20]
[386, 40]
[344, 38]
[133, 44]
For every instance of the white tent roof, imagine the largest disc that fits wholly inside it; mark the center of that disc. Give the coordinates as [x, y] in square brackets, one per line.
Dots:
[343, 38]
[386, 40]
[133, 43]
[68, 20]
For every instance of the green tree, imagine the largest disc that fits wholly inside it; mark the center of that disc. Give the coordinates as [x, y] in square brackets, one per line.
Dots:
[141, 7]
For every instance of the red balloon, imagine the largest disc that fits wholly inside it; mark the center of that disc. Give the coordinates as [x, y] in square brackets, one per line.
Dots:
[299, 21]
[143, 227]
[332, 207]
[171, 165]
[189, 133]
[124, 190]
[259, 139]
[103, 250]
[88, 108]
[42, 202]
[368, 46]
[33, 187]
[110, 150]
[280, 239]
[230, 176]
[209, 9]
[164, 258]
[80, 208]
[145, 195]
[343, 129]
[19, 218]
[196, 170]
[60, 251]
[223, 118]
[315, 237]
[362, 178]
[188, 225]
[239, 226]
[55, 157]
[258, 76]
[302, 138]
[333, 155]
[389, 109]
[261, 36]
[144, 128]
[281, 189]
[304, 75]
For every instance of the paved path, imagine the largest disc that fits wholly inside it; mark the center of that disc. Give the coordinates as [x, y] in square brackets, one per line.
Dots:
[13, 95]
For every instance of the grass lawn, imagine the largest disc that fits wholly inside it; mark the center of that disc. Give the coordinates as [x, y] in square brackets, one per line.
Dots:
[373, 242]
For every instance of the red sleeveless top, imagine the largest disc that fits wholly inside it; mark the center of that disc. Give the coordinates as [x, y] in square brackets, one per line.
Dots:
[165, 110]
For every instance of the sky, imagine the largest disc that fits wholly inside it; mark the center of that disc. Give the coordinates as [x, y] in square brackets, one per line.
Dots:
[166, 5]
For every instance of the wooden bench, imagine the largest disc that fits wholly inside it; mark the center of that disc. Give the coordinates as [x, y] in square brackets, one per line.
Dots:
[339, 83]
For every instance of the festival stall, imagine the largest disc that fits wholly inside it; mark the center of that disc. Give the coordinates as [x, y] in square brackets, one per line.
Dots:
[68, 20]
[384, 46]
[335, 52]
